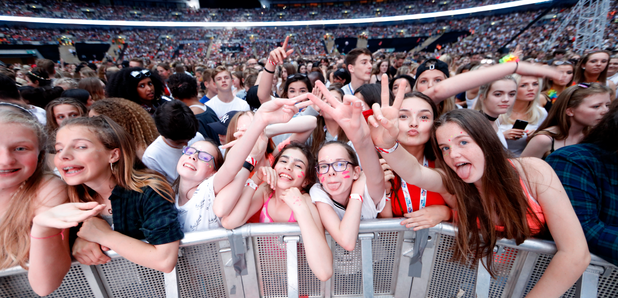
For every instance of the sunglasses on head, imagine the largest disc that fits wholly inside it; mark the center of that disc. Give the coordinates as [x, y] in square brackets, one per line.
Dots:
[558, 63]
[140, 74]
[297, 75]
[201, 155]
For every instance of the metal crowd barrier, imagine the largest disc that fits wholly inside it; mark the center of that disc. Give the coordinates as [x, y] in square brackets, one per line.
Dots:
[268, 260]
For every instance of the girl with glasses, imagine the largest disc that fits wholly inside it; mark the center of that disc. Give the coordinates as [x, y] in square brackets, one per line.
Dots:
[206, 185]
[345, 194]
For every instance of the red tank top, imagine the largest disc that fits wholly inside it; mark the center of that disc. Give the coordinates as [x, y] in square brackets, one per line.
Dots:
[398, 200]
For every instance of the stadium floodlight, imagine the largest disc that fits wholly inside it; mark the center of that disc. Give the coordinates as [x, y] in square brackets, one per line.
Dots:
[418, 16]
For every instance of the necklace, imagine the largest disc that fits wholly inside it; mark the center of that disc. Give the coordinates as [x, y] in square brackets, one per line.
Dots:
[492, 119]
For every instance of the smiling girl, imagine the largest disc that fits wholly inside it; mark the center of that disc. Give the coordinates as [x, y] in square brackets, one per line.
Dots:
[96, 158]
[495, 196]
[27, 193]
[284, 198]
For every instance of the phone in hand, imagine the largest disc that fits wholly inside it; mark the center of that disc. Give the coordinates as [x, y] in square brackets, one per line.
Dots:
[520, 124]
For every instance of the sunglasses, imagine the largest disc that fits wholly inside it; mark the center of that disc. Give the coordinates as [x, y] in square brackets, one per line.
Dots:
[297, 75]
[140, 74]
[488, 61]
[201, 155]
[558, 63]
[338, 166]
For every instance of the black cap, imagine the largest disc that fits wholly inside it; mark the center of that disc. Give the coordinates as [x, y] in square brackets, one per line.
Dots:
[79, 94]
[221, 126]
[431, 64]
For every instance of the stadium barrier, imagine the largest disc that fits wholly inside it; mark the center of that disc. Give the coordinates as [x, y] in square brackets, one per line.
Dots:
[268, 260]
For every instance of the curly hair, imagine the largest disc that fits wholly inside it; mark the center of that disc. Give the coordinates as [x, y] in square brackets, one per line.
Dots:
[131, 116]
[124, 85]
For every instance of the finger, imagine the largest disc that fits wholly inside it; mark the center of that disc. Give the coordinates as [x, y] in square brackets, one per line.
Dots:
[385, 92]
[303, 104]
[289, 52]
[86, 206]
[372, 121]
[83, 258]
[104, 248]
[323, 105]
[357, 110]
[285, 43]
[401, 93]
[229, 145]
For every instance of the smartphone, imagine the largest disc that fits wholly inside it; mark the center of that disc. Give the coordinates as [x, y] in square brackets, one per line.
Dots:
[520, 124]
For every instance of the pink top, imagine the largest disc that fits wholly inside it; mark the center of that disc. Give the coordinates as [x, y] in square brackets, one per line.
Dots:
[264, 217]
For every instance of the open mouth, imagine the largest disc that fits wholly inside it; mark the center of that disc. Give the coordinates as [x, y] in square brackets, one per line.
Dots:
[463, 170]
[8, 171]
[189, 166]
[72, 170]
[285, 176]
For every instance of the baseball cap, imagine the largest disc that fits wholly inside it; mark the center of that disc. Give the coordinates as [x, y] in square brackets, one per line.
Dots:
[220, 127]
[431, 64]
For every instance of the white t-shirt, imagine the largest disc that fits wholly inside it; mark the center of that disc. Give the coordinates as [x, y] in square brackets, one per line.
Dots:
[368, 211]
[518, 146]
[222, 108]
[197, 214]
[347, 89]
[470, 102]
[40, 114]
[163, 158]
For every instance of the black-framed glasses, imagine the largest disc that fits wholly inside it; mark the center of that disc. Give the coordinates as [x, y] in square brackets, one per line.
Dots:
[338, 166]
[140, 74]
[201, 155]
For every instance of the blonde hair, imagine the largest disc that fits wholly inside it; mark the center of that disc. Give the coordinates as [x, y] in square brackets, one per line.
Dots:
[484, 91]
[532, 110]
[17, 221]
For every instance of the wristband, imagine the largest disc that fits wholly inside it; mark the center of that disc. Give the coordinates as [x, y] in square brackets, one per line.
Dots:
[61, 234]
[269, 71]
[251, 160]
[251, 184]
[247, 165]
[272, 62]
[356, 197]
[389, 150]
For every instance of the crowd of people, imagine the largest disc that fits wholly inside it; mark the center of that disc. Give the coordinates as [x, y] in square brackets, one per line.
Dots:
[69, 10]
[104, 154]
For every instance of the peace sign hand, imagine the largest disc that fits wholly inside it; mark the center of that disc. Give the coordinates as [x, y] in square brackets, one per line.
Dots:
[279, 54]
[281, 110]
[347, 114]
[384, 123]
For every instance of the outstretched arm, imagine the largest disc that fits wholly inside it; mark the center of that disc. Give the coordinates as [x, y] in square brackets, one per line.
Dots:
[466, 81]
[277, 56]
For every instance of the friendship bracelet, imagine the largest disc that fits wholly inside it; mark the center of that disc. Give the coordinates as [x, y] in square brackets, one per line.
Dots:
[61, 234]
[356, 197]
[389, 150]
[509, 58]
[272, 62]
[251, 184]
[269, 71]
[516, 66]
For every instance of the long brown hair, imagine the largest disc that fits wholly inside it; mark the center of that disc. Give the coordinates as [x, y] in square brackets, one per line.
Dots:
[129, 172]
[572, 97]
[94, 86]
[580, 76]
[17, 220]
[52, 125]
[502, 193]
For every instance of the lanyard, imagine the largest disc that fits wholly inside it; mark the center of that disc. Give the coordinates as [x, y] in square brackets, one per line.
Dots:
[406, 193]
[350, 87]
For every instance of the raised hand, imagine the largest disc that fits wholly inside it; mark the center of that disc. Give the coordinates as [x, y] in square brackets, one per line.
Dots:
[384, 123]
[348, 113]
[68, 215]
[281, 110]
[279, 54]
[268, 175]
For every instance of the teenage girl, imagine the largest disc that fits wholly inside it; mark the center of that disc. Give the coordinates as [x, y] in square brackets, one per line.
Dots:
[495, 99]
[575, 112]
[555, 87]
[30, 237]
[495, 196]
[284, 198]
[61, 109]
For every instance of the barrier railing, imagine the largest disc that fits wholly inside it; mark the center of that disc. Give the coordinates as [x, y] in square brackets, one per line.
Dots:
[267, 260]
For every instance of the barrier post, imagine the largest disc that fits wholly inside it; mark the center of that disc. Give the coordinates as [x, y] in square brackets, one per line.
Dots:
[367, 262]
[291, 247]
[588, 283]
[171, 284]
[94, 281]
[483, 281]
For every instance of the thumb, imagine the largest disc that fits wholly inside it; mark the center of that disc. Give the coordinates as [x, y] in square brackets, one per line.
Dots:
[104, 248]
[87, 206]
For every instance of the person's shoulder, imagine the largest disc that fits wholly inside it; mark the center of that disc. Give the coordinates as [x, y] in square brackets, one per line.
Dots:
[51, 191]
[578, 152]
